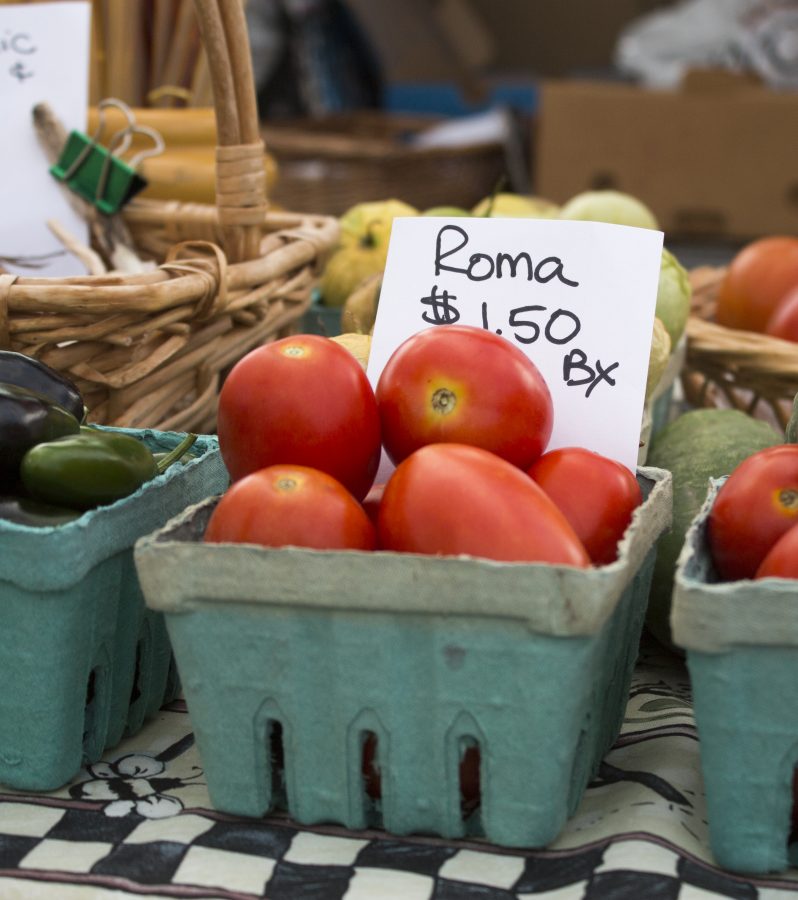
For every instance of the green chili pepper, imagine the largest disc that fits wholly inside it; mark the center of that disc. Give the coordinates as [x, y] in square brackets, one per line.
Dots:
[24, 511]
[27, 418]
[92, 468]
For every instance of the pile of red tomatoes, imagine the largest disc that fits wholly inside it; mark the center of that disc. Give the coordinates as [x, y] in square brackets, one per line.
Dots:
[464, 416]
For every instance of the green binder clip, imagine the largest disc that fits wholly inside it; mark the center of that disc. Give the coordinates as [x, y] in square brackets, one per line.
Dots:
[97, 172]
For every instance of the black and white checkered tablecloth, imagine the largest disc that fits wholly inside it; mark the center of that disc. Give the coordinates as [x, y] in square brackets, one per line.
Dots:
[140, 824]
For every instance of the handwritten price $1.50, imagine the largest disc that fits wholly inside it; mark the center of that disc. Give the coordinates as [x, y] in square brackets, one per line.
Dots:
[560, 327]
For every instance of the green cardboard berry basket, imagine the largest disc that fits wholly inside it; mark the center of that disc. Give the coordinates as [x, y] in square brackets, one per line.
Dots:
[84, 662]
[741, 643]
[426, 655]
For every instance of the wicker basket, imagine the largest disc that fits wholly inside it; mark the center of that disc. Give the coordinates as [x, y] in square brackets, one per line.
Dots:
[150, 350]
[331, 163]
[726, 367]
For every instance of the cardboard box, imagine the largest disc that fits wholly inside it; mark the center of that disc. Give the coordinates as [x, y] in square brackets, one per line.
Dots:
[462, 40]
[715, 158]
[556, 39]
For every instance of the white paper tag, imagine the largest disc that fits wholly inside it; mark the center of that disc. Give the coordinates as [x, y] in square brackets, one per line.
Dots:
[44, 57]
[577, 297]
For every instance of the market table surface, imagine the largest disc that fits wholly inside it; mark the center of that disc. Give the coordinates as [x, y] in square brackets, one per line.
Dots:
[140, 823]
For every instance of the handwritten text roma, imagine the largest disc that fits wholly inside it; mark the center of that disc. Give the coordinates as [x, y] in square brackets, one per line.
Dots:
[527, 323]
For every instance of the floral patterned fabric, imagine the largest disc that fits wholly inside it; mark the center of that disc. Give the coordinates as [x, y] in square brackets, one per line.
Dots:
[141, 823]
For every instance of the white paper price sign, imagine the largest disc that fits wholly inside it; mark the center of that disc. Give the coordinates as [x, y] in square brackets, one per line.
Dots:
[44, 58]
[577, 297]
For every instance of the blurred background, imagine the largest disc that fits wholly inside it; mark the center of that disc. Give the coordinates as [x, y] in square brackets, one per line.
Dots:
[690, 106]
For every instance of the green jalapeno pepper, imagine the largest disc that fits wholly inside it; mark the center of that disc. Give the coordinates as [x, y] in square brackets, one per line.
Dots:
[27, 418]
[28, 372]
[92, 468]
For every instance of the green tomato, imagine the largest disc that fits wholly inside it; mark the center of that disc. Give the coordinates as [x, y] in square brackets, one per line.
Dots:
[673, 296]
[614, 207]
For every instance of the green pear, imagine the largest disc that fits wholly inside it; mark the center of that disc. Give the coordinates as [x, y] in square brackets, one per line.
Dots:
[673, 296]
[362, 247]
[520, 206]
[614, 207]
[371, 221]
[659, 356]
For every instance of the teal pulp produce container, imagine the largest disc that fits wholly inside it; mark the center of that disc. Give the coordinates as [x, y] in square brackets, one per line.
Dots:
[741, 644]
[298, 664]
[84, 662]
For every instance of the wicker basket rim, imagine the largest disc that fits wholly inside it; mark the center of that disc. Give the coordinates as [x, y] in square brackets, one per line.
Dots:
[775, 353]
[317, 230]
[706, 281]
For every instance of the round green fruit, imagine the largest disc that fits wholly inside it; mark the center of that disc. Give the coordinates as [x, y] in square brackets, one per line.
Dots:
[658, 357]
[362, 248]
[673, 296]
[614, 207]
[516, 206]
[370, 223]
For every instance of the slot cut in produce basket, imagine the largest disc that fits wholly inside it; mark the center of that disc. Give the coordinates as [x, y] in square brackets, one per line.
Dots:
[150, 349]
[297, 663]
[84, 661]
[741, 643]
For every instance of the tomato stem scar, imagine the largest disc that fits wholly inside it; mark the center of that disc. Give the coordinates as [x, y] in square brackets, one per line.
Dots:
[789, 497]
[444, 401]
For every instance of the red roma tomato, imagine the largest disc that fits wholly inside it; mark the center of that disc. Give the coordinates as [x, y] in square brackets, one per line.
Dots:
[756, 504]
[464, 385]
[756, 280]
[784, 321]
[282, 506]
[449, 499]
[303, 400]
[469, 774]
[597, 495]
[782, 558]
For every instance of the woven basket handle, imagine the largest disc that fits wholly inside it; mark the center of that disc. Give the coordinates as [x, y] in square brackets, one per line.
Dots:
[240, 176]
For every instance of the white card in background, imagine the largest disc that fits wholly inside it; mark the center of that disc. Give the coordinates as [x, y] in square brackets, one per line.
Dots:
[44, 57]
[577, 297]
